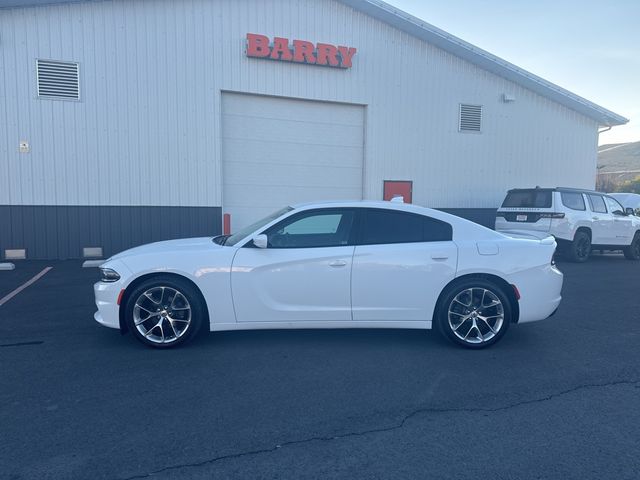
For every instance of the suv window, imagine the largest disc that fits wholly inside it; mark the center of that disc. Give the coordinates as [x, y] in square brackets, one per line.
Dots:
[388, 227]
[614, 206]
[574, 201]
[312, 229]
[597, 203]
[534, 198]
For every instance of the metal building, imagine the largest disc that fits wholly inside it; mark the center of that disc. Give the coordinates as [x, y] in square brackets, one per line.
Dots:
[128, 121]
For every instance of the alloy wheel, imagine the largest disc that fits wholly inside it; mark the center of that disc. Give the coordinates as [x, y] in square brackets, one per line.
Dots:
[476, 315]
[162, 314]
[583, 249]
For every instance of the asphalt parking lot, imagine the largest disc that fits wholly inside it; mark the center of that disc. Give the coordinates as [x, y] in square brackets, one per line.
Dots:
[555, 399]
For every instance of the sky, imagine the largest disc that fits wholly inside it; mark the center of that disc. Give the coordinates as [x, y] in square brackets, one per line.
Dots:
[591, 48]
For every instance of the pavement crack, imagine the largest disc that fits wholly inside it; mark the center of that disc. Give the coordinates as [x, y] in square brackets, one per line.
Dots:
[396, 426]
[22, 344]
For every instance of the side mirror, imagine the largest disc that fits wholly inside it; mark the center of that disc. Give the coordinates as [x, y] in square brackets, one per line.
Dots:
[630, 211]
[261, 241]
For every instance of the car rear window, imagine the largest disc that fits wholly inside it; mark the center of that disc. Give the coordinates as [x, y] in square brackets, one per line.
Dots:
[528, 199]
[387, 226]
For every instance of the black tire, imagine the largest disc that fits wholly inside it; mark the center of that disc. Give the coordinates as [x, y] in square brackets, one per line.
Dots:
[177, 317]
[579, 250]
[450, 311]
[632, 252]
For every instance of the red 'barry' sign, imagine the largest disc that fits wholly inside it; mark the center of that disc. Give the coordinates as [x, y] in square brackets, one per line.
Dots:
[300, 51]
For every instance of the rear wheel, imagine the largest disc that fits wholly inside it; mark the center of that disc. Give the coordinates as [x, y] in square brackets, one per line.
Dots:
[580, 249]
[475, 313]
[163, 312]
[632, 252]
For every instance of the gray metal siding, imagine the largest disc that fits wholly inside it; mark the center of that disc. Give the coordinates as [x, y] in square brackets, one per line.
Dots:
[61, 232]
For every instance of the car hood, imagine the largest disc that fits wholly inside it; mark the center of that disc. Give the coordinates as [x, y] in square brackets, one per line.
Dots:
[181, 245]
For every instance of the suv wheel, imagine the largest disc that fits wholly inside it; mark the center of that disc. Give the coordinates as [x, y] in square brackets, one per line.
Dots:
[580, 249]
[632, 252]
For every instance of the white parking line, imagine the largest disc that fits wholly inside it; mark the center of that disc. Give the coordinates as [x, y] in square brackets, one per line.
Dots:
[8, 297]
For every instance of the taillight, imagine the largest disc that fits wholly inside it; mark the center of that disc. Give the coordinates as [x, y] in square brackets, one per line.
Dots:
[552, 215]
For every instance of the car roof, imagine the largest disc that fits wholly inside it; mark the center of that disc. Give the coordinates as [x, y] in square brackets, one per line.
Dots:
[462, 225]
[462, 228]
[389, 205]
[624, 194]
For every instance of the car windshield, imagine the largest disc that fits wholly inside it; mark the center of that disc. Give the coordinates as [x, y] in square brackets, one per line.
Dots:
[239, 235]
[534, 198]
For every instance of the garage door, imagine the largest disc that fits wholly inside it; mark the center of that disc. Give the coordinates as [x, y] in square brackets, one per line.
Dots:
[280, 151]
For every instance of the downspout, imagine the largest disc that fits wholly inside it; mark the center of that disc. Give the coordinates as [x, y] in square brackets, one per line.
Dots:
[598, 143]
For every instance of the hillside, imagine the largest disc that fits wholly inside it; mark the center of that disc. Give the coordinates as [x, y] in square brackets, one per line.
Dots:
[619, 157]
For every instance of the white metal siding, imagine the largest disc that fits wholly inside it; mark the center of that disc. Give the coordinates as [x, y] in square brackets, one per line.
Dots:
[147, 130]
[280, 151]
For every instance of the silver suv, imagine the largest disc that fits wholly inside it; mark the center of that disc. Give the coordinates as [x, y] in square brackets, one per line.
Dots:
[580, 220]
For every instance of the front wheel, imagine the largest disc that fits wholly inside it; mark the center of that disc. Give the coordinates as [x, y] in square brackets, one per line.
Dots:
[475, 313]
[164, 312]
[632, 252]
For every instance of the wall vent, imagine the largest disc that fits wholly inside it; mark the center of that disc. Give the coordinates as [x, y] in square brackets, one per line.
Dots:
[470, 118]
[58, 79]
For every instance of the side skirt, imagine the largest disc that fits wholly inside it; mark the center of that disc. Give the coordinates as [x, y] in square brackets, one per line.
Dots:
[317, 325]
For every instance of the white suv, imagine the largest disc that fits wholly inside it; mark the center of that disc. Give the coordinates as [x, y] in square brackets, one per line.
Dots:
[580, 220]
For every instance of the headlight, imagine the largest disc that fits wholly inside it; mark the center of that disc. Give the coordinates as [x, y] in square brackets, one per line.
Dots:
[109, 275]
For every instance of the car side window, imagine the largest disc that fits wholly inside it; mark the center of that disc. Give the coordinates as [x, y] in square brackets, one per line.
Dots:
[573, 200]
[597, 204]
[614, 206]
[312, 229]
[389, 227]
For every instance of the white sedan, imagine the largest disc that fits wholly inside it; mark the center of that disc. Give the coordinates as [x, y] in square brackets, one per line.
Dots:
[334, 265]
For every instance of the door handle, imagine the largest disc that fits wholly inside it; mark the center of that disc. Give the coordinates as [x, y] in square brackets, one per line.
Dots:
[337, 263]
[439, 256]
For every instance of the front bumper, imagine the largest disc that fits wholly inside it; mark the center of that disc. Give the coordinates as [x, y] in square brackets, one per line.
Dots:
[106, 296]
[108, 313]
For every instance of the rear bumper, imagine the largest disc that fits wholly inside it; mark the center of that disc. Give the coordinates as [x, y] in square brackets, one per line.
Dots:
[540, 292]
[542, 225]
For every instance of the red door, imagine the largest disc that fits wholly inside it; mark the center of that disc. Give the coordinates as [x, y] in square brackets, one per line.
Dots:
[398, 188]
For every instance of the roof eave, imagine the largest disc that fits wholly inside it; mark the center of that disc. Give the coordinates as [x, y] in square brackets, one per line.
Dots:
[485, 60]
